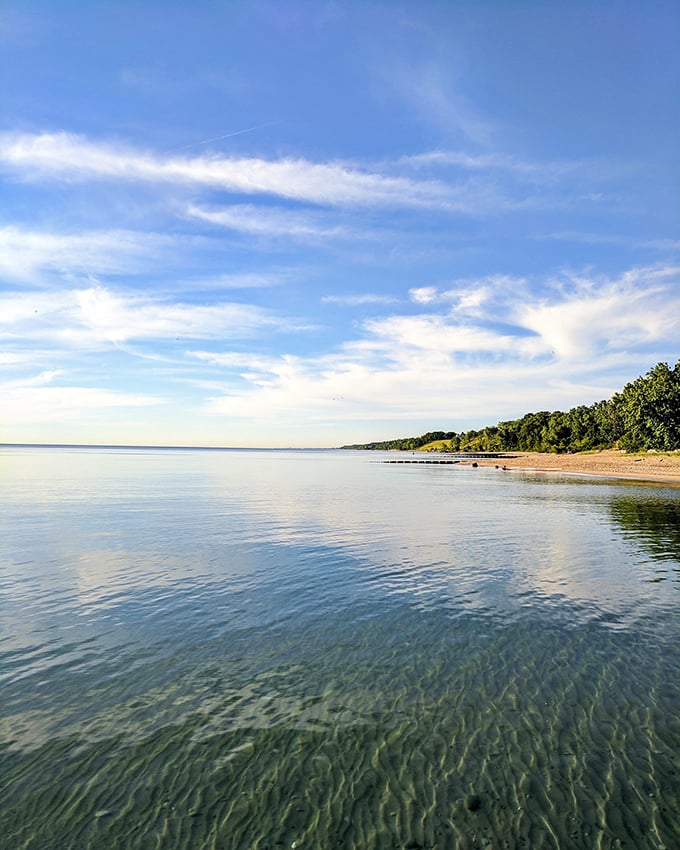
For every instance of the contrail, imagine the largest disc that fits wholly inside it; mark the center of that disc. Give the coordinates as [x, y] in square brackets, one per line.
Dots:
[229, 135]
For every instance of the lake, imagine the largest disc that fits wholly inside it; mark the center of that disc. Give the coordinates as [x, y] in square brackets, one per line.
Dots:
[315, 649]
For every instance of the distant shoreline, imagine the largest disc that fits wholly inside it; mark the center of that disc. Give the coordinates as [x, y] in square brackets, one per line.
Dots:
[149, 447]
[655, 467]
[609, 463]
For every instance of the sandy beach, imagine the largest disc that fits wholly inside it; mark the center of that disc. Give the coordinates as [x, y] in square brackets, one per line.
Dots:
[651, 466]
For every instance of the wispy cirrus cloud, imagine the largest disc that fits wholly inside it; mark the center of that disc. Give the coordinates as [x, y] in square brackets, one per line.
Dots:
[243, 280]
[25, 254]
[270, 221]
[47, 397]
[428, 89]
[15, 358]
[587, 238]
[96, 316]
[583, 237]
[662, 244]
[65, 156]
[39, 257]
[74, 159]
[236, 360]
[359, 300]
[493, 162]
[501, 165]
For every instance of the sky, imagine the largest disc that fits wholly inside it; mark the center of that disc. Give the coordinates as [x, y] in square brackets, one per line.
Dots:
[316, 223]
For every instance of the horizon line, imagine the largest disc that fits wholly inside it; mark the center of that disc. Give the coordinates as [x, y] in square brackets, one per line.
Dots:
[150, 446]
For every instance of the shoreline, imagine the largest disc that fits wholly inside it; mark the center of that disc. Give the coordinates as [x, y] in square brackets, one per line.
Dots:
[654, 467]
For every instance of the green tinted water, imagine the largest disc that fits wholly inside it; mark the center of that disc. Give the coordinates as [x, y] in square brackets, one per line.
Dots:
[271, 649]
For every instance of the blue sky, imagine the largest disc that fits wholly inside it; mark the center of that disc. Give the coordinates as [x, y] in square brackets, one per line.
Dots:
[307, 224]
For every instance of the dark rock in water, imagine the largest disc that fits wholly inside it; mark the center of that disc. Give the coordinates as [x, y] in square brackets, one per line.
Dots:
[473, 802]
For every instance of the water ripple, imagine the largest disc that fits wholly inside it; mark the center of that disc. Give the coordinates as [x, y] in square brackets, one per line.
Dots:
[234, 650]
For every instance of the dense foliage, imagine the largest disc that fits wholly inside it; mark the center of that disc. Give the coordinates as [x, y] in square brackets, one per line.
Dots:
[408, 443]
[644, 415]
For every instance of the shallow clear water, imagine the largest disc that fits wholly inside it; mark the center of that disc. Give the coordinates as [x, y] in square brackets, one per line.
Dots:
[239, 649]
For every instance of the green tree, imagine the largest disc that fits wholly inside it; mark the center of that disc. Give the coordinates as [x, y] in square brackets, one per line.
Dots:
[650, 410]
[531, 429]
[557, 435]
[644, 415]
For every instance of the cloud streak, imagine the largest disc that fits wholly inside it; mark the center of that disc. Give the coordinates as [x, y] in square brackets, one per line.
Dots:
[269, 221]
[95, 317]
[229, 135]
[68, 157]
[359, 300]
[41, 399]
[26, 254]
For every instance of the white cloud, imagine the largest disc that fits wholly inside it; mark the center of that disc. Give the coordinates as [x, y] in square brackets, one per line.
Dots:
[423, 294]
[358, 300]
[40, 380]
[236, 360]
[590, 319]
[268, 221]
[585, 238]
[39, 400]
[434, 366]
[540, 353]
[96, 316]
[357, 386]
[471, 300]
[246, 280]
[73, 159]
[404, 366]
[461, 159]
[469, 296]
[514, 169]
[24, 254]
[69, 157]
[14, 358]
[487, 162]
[118, 319]
[436, 334]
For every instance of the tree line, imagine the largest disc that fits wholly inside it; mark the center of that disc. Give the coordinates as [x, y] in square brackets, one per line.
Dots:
[645, 415]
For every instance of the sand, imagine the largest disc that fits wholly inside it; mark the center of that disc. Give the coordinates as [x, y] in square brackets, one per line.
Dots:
[651, 466]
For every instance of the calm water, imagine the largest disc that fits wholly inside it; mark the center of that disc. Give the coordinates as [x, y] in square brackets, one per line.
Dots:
[313, 649]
